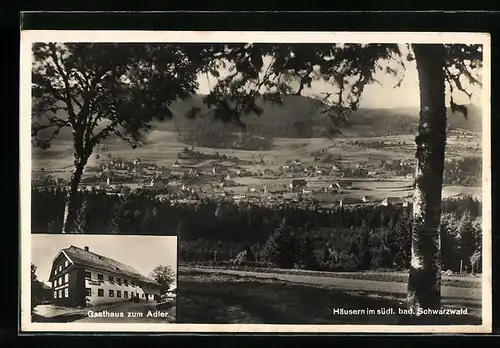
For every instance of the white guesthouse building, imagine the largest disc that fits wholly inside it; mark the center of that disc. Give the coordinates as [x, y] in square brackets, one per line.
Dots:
[82, 278]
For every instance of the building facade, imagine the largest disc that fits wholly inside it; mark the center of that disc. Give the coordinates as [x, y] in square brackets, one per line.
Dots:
[395, 201]
[81, 278]
[350, 201]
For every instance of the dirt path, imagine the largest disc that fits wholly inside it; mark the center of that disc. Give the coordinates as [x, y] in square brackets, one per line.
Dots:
[350, 284]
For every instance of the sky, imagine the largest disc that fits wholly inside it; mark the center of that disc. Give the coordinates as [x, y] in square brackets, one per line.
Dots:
[377, 95]
[143, 253]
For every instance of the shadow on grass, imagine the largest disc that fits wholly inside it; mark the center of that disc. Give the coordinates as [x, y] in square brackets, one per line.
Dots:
[382, 276]
[276, 302]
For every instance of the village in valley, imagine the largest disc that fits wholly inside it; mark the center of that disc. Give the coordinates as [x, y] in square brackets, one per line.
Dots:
[337, 175]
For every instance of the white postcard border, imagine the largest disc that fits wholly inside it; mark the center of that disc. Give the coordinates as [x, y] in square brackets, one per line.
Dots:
[30, 36]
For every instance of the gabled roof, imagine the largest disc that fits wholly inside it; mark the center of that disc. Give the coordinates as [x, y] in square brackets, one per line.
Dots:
[351, 200]
[82, 257]
[394, 200]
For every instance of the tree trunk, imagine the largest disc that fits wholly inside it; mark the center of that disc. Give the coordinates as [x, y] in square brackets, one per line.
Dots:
[424, 284]
[71, 200]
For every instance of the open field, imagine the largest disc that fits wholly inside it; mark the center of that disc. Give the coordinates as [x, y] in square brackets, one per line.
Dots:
[216, 297]
[344, 282]
[458, 281]
[162, 148]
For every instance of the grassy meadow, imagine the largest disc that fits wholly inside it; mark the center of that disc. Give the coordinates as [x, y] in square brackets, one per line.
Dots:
[233, 299]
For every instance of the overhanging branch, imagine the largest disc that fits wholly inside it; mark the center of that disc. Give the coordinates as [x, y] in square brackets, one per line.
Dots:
[69, 98]
[131, 140]
[305, 79]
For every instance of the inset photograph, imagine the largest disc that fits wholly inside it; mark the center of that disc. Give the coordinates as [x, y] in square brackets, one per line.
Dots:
[103, 278]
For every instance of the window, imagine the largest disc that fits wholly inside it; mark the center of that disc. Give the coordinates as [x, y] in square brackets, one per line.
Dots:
[59, 281]
[125, 282]
[100, 292]
[60, 294]
[100, 277]
[59, 268]
[111, 293]
[143, 295]
[118, 293]
[119, 281]
[111, 279]
[55, 271]
[54, 283]
[66, 278]
[88, 275]
[88, 292]
[66, 292]
[125, 294]
[66, 263]
[55, 294]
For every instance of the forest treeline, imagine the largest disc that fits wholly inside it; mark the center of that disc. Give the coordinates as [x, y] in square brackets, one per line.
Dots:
[365, 237]
[258, 135]
[466, 171]
[220, 136]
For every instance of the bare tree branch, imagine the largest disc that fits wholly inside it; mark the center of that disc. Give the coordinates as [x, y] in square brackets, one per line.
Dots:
[69, 97]
[305, 80]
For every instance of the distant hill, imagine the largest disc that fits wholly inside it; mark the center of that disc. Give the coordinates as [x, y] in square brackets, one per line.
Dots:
[405, 120]
[298, 112]
[366, 121]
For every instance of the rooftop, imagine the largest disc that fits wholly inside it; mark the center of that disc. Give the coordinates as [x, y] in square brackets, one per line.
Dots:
[395, 200]
[89, 259]
[351, 200]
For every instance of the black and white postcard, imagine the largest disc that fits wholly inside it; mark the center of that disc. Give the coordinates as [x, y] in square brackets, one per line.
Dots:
[102, 279]
[302, 181]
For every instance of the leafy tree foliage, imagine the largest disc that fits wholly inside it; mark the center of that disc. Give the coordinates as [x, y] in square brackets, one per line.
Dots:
[281, 247]
[36, 288]
[98, 90]
[335, 240]
[400, 243]
[81, 221]
[163, 275]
